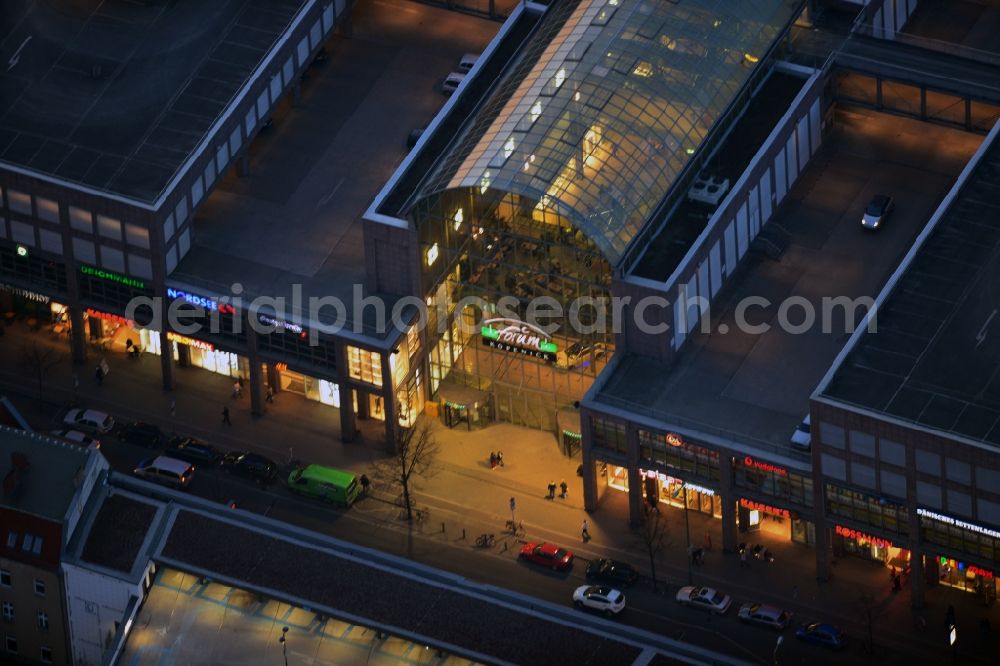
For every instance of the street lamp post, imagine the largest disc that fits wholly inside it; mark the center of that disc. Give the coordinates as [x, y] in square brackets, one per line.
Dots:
[687, 533]
[284, 644]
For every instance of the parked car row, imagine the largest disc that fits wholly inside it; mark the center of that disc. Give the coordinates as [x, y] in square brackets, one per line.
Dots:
[454, 80]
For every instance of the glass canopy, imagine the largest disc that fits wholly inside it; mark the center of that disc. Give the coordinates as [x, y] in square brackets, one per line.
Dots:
[607, 105]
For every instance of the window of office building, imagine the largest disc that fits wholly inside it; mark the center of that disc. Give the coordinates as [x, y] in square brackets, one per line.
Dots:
[773, 480]
[46, 655]
[963, 538]
[136, 235]
[609, 434]
[109, 227]
[11, 644]
[866, 509]
[40, 587]
[5, 577]
[43, 620]
[8, 611]
[19, 202]
[81, 220]
[293, 340]
[669, 450]
[48, 209]
[365, 365]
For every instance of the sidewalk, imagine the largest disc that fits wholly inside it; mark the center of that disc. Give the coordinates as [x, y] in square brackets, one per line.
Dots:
[475, 497]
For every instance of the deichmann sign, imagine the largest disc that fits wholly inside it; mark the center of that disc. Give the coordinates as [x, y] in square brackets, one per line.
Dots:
[24, 293]
[207, 302]
[862, 537]
[190, 342]
[958, 523]
[513, 335]
[112, 277]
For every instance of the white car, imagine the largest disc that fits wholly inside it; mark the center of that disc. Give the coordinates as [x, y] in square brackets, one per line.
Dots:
[762, 614]
[78, 437]
[600, 598]
[89, 420]
[468, 61]
[802, 437]
[704, 598]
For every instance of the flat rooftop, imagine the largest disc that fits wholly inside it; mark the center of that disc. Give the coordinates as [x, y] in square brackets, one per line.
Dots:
[933, 360]
[755, 388]
[117, 95]
[118, 532]
[669, 247]
[47, 485]
[296, 218]
[384, 598]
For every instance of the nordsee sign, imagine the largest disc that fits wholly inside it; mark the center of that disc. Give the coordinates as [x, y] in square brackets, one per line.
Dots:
[513, 335]
[207, 302]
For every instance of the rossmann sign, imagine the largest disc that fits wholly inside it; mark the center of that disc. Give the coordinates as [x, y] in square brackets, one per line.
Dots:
[518, 337]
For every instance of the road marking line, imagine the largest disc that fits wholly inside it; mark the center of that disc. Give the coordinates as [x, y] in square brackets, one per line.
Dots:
[16, 58]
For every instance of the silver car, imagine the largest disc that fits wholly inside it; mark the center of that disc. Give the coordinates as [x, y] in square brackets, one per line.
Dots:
[764, 615]
[879, 208]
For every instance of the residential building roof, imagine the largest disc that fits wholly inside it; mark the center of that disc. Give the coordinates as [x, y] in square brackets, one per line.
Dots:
[40, 474]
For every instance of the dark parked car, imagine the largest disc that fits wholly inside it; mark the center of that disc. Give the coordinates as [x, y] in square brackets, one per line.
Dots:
[143, 434]
[193, 451]
[611, 571]
[250, 465]
[877, 211]
[819, 633]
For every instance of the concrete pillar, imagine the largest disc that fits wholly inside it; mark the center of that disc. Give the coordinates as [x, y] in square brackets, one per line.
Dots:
[79, 335]
[823, 543]
[183, 356]
[348, 423]
[274, 378]
[635, 486]
[918, 578]
[589, 466]
[390, 409]
[363, 405]
[256, 383]
[166, 361]
[728, 499]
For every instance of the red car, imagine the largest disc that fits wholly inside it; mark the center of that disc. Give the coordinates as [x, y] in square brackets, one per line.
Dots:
[546, 555]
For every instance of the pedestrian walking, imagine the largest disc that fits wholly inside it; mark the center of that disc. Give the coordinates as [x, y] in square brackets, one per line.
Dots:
[225, 416]
[237, 389]
[708, 541]
[563, 489]
[743, 559]
[173, 407]
[585, 531]
[500, 458]
[99, 375]
[365, 483]
[269, 396]
[493, 460]
[552, 489]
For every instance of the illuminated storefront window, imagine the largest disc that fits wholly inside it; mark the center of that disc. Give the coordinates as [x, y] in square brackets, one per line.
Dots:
[365, 365]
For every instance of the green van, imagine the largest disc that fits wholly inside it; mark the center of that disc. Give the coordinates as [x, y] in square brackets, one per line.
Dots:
[325, 483]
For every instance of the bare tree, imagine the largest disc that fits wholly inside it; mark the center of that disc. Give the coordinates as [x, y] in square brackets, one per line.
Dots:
[870, 612]
[654, 533]
[37, 360]
[414, 454]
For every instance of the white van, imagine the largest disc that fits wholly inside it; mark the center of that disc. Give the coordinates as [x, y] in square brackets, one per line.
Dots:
[452, 82]
[169, 471]
[468, 61]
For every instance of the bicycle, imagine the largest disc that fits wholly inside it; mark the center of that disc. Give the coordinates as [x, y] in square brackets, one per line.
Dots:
[420, 515]
[485, 540]
[515, 528]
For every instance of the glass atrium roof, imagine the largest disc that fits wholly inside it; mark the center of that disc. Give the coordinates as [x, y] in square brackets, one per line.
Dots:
[608, 104]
